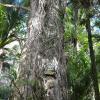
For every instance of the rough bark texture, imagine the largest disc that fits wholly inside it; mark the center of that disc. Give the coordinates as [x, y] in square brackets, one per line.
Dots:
[43, 65]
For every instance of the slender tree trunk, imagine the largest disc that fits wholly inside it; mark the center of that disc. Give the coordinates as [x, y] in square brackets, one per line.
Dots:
[43, 64]
[93, 63]
[75, 17]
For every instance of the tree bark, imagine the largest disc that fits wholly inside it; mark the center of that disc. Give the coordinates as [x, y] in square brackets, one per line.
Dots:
[44, 65]
[93, 63]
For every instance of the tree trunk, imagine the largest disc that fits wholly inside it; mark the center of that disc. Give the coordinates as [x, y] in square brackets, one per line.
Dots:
[43, 65]
[93, 63]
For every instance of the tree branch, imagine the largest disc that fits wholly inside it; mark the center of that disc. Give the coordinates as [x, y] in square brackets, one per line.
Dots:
[15, 6]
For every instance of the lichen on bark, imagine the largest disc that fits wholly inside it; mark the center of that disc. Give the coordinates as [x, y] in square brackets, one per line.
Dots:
[45, 50]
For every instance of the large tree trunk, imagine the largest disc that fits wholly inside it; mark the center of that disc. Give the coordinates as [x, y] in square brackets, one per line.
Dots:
[44, 64]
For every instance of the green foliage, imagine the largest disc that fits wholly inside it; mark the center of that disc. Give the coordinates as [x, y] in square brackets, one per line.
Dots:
[78, 60]
[12, 74]
[79, 75]
[97, 38]
[3, 22]
[97, 23]
[9, 19]
[97, 51]
[4, 92]
[25, 3]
